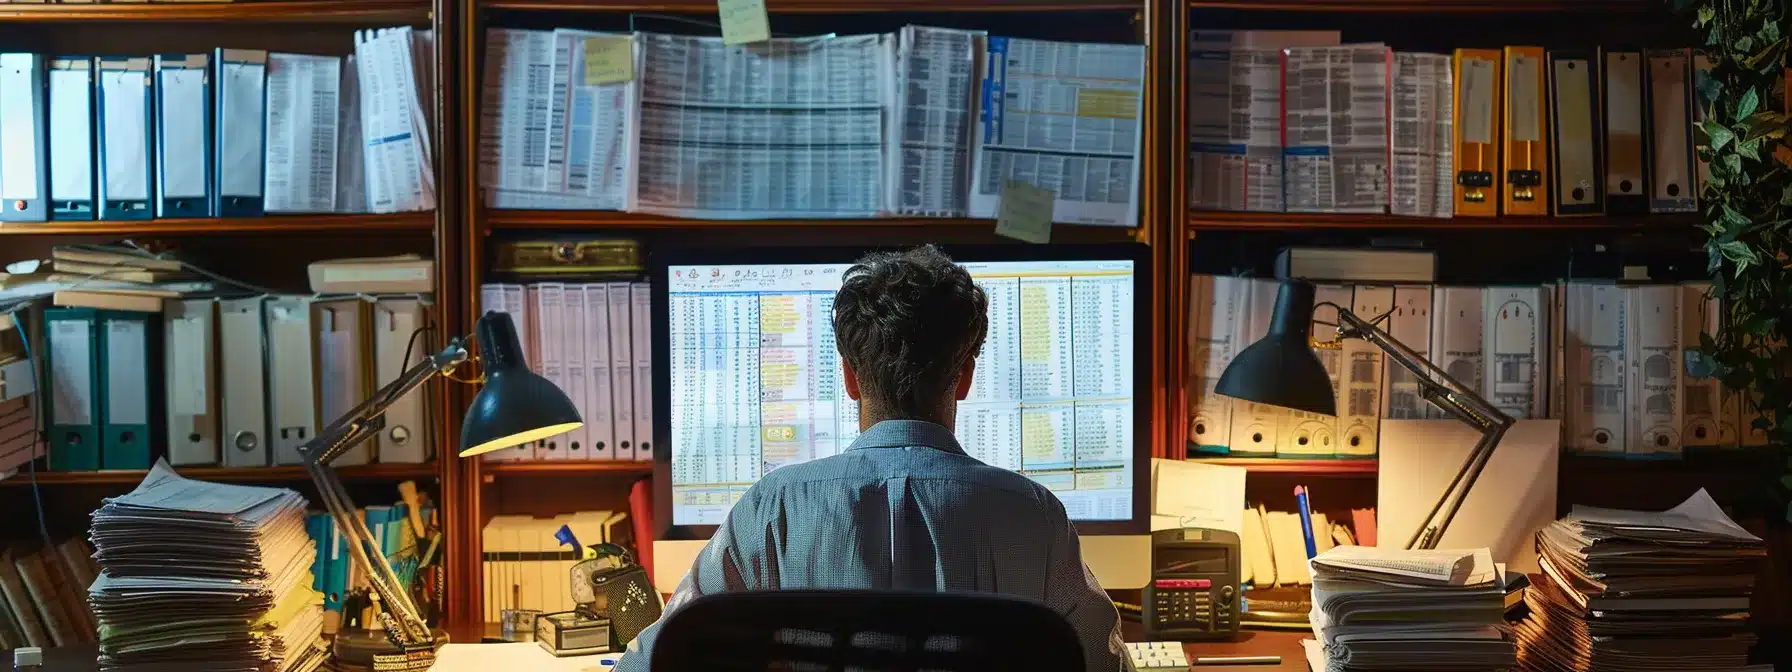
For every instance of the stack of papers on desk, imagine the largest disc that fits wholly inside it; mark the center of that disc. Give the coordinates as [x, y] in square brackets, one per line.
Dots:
[205, 577]
[1636, 590]
[1388, 609]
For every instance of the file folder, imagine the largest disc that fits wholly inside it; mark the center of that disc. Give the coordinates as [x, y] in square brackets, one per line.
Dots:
[124, 142]
[189, 337]
[1526, 161]
[342, 365]
[124, 411]
[406, 437]
[292, 407]
[622, 373]
[600, 427]
[1575, 133]
[1654, 397]
[183, 136]
[74, 388]
[1670, 131]
[1477, 110]
[24, 170]
[242, 88]
[242, 386]
[578, 441]
[1702, 65]
[1626, 154]
[72, 139]
[641, 343]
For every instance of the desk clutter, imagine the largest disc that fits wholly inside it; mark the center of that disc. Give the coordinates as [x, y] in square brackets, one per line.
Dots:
[1607, 359]
[199, 575]
[408, 537]
[1474, 133]
[528, 568]
[927, 122]
[226, 133]
[595, 341]
[43, 601]
[163, 365]
[1636, 590]
[1386, 609]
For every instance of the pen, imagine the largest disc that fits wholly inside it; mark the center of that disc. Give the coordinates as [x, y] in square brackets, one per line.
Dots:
[1306, 521]
[1238, 660]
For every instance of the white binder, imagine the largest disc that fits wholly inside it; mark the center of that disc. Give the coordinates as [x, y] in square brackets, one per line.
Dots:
[24, 172]
[641, 345]
[189, 329]
[1254, 425]
[1359, 407]
[600, 423]
[1516, 352]
[342, 364]
[1410, 324]
[622, 371]
[1705, 423]
[303, 99]
[1654, 398]
[1456, 333]
[406, 438]
[1214, 309]
[71, 139]
[1595, 373]
[242, 386]
[292, 392]
[550, 304]
[577, 388]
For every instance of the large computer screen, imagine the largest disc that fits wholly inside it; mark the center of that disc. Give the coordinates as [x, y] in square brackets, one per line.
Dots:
[755, 382]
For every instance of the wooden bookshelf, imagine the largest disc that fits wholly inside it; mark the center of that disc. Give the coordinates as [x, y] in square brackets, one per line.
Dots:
[283, 11]
[1207, 220]
[411, 222]
[369, 472]
[1436, 6]
[1365, 468]
[814, 6]
[604, 219]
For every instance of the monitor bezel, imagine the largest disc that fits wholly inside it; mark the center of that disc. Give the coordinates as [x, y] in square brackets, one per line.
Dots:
[659, 261]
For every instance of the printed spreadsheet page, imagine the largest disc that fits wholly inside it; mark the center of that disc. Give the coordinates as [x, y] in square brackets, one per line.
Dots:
[757, 385]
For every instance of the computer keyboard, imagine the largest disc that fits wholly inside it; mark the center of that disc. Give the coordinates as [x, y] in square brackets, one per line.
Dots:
[1152, 656]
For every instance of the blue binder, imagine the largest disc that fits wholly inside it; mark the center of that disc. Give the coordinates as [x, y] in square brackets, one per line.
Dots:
[72, 187]
[125, 170]
[317, 525]
[124, 352]
[74, 388]
[24, 184]
[183, 135]
[335, 568]
[240, 79]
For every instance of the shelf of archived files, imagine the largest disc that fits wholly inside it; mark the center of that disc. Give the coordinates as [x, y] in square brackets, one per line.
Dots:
[817, 6]
[1208, 220]
[582, 468]
[279, 11]
[1355, 467]
[1439, 6]
[608, 219]
[367, 472]
[327, 223]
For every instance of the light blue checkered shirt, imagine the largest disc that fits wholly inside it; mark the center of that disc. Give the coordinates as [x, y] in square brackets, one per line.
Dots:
[904, 508]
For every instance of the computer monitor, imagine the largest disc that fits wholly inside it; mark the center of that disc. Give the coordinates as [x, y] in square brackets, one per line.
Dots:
[747, 380]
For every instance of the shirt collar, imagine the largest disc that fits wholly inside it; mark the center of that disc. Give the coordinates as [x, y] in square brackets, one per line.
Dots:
[907, 433]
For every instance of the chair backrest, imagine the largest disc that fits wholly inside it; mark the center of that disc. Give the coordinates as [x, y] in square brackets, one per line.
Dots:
[865, 630]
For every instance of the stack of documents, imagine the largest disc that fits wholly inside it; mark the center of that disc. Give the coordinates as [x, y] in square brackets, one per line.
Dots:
[1635, 590]
[1388, 609]
[202, 576]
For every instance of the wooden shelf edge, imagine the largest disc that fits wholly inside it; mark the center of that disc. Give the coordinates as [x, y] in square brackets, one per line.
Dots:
[604, 219]
[249, 474]
[1203, 220]
[402, 222]
[283, 11]
[566, 468]
[1363, 467]
[1437, 6]
[811, 6]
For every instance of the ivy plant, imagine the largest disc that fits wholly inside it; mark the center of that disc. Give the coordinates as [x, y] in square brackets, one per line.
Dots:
[1746, 211]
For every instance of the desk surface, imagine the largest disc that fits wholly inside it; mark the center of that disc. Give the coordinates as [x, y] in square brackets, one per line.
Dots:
[1252, 643]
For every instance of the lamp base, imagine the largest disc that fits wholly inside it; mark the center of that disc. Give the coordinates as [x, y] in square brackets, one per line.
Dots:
[371, 651]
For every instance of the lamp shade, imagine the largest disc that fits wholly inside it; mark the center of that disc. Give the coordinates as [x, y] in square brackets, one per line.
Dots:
[516, 406]
[1280, 369]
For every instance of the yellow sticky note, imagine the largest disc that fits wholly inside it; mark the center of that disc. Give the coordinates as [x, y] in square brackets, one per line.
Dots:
[1026, 213]
[743, 21]
[609, 59]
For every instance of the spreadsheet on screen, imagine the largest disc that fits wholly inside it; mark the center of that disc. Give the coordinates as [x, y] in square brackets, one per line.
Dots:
[756, 382]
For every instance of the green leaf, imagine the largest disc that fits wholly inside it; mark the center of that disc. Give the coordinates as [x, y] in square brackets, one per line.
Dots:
[1706, 15]
[1770, 32]
[1738, 253]
[1751, 100]
[1745, 43]
[1719, 134]
[1750, 150]
[1730, 162]
[1730, 220]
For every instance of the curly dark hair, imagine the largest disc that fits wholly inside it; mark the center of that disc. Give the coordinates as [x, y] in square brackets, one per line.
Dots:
[906, 322]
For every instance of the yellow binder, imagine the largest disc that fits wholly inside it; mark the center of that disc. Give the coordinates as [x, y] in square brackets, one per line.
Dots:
[1477, 109]
[1526, 161]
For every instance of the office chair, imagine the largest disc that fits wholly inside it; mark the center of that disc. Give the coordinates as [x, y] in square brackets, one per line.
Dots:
[851, 630]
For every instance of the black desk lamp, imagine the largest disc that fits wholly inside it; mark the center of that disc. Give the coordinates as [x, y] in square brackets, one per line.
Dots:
[516, 406]
[1281, 370]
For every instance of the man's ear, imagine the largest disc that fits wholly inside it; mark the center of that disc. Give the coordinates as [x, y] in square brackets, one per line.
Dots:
[964, 378]
[852, 380]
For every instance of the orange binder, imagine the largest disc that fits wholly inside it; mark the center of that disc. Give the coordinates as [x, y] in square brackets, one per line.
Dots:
[1477, 110]
[1526, 160]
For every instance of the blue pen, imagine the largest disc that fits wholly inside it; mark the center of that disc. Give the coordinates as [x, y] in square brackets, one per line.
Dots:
[1306, 521]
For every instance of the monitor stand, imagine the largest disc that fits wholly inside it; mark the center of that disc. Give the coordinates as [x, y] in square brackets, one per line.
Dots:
[1119, 562]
